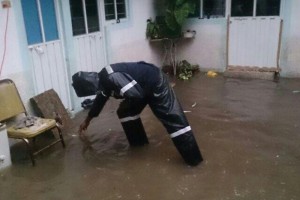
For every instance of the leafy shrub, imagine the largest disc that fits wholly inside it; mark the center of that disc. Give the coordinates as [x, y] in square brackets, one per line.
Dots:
[184, 69]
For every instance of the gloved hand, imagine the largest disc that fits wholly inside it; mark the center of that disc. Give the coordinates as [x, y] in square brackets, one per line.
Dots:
[83, 126]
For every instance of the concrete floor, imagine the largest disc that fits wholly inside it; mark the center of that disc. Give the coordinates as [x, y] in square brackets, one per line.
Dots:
[248, 132]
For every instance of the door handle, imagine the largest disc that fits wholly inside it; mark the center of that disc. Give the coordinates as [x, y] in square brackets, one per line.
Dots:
[39, 50]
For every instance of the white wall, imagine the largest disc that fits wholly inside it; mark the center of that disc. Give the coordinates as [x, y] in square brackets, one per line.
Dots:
[11, 65]
[127, 41]
[16, 65]
[290, 51]
[16, 62]
[208, 48]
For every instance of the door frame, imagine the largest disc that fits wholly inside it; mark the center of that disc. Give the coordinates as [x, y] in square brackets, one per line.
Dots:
[228, 16]
[60, 33]
[34, 47]
[70, 53]
[228, 8]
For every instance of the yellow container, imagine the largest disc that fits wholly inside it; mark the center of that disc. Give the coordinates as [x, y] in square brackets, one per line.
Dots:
[211, 74]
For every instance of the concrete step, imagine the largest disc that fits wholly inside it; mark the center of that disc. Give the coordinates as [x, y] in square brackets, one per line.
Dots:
[252, 72]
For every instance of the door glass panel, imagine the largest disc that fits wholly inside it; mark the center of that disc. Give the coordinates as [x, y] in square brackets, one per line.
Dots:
[92, 15]
[32, 22]
[214, 8]
[121, 9]
[268, 8]
[109, 9]
[242, 8]
[77, 17]
[49, 20]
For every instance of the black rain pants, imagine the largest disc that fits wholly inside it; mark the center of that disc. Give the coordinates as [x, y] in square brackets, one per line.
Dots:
[167, 109]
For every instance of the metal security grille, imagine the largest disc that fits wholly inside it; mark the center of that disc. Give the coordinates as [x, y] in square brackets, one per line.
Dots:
[115, 9]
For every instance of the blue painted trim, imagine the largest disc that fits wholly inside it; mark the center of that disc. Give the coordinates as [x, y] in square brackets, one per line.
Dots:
[32, 23]
[49, 20]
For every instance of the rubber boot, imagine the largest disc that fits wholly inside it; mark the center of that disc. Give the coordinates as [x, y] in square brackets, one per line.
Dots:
[135, 132]
[188, 148]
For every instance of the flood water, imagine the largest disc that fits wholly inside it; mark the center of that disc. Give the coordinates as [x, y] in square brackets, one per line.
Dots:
[248, 132]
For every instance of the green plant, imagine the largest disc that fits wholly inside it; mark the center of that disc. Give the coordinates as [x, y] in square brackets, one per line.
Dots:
[177, 11]
[186, 70]
[169, 24]
[152, 30]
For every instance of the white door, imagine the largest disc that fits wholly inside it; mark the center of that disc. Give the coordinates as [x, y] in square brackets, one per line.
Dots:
[254, 33]
[88, 38]
[45, 47]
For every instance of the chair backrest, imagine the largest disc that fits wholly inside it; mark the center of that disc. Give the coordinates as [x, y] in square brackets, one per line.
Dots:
[10, 101]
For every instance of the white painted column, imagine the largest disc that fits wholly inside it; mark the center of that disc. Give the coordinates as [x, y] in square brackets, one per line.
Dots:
[5, 159]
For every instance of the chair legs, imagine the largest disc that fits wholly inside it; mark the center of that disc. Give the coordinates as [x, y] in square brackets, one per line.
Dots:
[30, 147]
[30, 150]
[60, 135]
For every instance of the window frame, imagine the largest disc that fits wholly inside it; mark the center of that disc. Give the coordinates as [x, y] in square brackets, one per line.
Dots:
[116, 20]
[228, 10]
[254, 12]
[41, 24]
[201, 12]
[85, 19]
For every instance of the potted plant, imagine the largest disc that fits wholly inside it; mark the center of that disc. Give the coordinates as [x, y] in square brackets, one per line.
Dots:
[169, 24]
[184, 68]
[153, 31]
[177, 11]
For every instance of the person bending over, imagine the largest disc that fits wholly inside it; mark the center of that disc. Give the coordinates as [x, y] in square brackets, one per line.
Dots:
[140, 84]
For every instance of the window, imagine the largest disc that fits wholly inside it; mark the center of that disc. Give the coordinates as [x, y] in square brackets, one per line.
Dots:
[242, 8]
[115, 9]
[245, 8]
[40, 21]
[85, 16]
[209, 8]
[268, 8]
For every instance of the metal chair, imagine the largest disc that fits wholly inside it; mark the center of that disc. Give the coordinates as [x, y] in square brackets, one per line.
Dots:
[11, 106]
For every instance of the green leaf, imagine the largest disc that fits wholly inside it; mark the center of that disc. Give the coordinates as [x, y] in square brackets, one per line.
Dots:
[181, 13]
[171, 20]
[179, 2]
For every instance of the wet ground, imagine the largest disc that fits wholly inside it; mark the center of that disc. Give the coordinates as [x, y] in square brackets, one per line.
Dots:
[248, 132]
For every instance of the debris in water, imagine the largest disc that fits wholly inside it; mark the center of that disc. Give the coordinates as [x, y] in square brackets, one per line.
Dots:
[187, 111]
[296, 91]
[194, 104]
[236, 192]
[211, 74]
